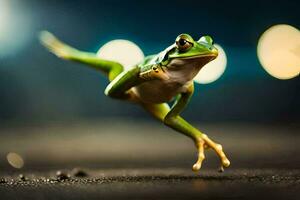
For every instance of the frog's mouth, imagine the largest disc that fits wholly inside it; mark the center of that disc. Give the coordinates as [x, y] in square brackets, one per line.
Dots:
[200, 60]
[197, 61]
[210, 57]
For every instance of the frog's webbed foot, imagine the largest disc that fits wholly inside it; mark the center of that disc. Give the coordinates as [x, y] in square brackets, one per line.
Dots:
[204, 142]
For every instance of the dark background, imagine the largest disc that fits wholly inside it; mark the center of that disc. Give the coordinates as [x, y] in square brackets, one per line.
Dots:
[53, 113]
[37, 86]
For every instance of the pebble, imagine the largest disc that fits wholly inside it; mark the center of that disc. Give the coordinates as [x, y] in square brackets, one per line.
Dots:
[77, 172]
[62, 176]
[3, 180]
[22, 177]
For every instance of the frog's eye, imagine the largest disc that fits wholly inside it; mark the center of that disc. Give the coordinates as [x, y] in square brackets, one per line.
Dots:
[183, 44]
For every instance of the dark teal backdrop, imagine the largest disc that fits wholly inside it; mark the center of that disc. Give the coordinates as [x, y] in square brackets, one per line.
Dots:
[35, 85]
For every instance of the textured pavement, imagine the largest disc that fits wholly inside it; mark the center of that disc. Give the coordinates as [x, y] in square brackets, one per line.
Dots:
[148, 161]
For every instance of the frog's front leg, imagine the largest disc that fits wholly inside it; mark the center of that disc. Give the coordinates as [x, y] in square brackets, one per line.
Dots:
[172, 119]
[120, 87]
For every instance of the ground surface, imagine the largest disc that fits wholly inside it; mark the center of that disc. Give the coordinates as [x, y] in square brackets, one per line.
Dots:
[147, 161]
[156, 184]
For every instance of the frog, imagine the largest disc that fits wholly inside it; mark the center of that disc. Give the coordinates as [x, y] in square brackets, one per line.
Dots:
[162, 83]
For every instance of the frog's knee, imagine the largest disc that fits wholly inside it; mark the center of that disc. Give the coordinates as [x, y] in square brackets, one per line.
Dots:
[170, 120]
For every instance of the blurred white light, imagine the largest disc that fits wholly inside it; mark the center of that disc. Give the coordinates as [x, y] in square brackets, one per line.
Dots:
[123, 51]
[3, 14]
[4, 18]
[214, 69]
[278, 51]
[14, 27]
[15, 160]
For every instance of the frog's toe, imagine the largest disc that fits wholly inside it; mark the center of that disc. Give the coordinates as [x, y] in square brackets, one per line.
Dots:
[197, 166]
[225, 162]
[201, 156]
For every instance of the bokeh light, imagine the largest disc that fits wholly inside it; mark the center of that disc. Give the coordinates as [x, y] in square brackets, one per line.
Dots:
[278, 51]
[123, 51]
[213, 70]
[15, 25]
[15, 160]
[3, 14]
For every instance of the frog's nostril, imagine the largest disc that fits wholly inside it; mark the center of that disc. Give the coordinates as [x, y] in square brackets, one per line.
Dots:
[212, 48]
[215, 51]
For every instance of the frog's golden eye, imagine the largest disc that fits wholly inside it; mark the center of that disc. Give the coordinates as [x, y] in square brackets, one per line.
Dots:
[183, 44]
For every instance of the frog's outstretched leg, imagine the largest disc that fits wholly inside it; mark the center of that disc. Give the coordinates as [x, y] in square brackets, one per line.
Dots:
[62, 50]
[172, 119]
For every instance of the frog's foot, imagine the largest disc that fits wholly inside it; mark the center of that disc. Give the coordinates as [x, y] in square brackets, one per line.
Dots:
[56, 46]
[205, 142]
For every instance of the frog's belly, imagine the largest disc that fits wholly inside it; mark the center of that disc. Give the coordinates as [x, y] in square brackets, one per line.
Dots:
[158, 91]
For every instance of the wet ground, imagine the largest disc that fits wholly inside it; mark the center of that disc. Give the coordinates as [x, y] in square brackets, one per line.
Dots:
[148, 161]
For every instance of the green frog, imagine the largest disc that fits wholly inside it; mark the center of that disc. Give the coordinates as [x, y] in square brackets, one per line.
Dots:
[155, 82]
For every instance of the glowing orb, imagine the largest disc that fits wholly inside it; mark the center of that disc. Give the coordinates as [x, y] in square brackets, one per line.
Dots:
[3, 14]
[214, 69]
[15, 160]
[123, 51]
[278, 51]
[15, 27]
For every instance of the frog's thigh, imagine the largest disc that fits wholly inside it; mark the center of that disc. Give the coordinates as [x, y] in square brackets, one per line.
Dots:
[159, 111]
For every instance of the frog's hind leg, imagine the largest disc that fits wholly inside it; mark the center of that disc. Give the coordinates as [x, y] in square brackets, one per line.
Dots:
[202, 141]
[64, 51]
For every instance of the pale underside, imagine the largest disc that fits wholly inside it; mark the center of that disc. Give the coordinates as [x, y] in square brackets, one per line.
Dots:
[180, 72]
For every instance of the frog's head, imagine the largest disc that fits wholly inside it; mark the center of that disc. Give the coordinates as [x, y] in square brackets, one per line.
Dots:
[201, 51]
[186, 56]
[187, 49]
